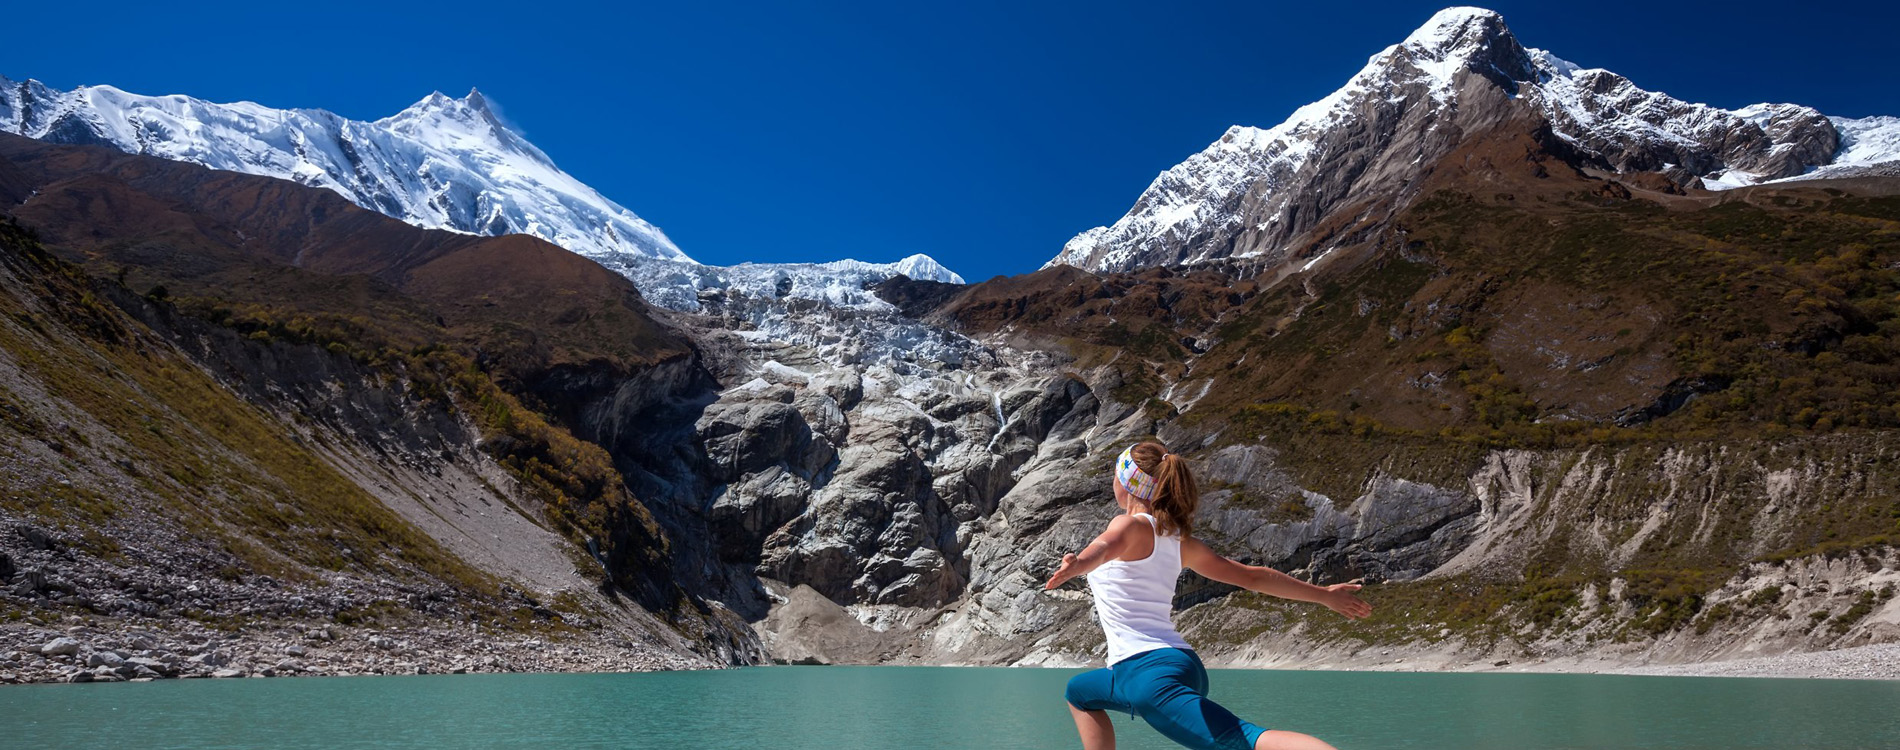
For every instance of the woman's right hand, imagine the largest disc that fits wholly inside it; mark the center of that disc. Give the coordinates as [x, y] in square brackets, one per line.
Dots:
[1339, 598]
[1063, 572]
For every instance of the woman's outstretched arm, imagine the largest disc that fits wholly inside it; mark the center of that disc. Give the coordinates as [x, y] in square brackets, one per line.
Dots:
[1337, 597]
[1109, 546]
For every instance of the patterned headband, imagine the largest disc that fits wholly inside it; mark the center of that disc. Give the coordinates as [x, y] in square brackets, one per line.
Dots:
[1139, 483]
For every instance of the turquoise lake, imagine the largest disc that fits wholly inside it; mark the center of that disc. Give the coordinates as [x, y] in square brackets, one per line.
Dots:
[861, 708]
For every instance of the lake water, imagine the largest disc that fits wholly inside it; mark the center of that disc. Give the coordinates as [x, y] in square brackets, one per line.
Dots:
[864, 708]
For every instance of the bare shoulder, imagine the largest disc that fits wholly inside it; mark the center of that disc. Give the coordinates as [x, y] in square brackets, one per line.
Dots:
[1124, 531]
[1125, 525]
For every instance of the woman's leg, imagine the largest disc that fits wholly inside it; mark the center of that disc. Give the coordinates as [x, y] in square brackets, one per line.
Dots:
[1275, 739]
[1097, 733]
[1170, 690]
[1089, 695]
[1190, 719]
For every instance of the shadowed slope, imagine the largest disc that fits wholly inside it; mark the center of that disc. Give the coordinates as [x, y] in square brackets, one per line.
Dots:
[290, 249]
[476, 323]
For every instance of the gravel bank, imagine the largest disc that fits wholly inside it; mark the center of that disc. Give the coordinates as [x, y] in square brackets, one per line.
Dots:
[80, 653]
[1876, 662]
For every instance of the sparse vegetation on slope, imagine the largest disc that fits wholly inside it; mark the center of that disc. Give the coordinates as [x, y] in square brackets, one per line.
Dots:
[226, 469]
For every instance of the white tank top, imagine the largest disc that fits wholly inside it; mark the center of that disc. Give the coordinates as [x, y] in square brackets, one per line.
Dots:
[1134, 599]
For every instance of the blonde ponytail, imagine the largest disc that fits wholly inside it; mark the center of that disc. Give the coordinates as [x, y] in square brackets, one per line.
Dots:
[1176, 494]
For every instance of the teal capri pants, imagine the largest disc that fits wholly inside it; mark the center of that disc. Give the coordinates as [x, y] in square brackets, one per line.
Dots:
[1166, 687]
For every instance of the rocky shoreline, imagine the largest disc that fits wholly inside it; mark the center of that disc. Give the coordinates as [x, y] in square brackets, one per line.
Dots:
[1873, 662]
[79, 654]
[49, 653]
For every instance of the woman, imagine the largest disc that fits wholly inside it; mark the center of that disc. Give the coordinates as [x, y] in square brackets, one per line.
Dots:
[1131, 570]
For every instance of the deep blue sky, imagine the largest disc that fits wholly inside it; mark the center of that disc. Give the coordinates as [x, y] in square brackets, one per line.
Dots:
[983, 133]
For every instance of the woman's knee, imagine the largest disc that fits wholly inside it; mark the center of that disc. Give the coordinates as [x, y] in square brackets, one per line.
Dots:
[1073, 692]
[1088, 691]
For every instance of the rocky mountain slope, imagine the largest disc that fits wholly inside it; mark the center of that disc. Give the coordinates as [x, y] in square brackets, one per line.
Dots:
[1281, 197]
[308, 420]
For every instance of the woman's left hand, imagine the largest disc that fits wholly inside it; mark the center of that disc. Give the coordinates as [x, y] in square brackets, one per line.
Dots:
[1063, 573]
[1339, 598]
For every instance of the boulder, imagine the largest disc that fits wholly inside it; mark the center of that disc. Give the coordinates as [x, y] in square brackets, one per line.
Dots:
[30, 582]
[156, 666]
[844, 385]
[37, 538]
[60, 647]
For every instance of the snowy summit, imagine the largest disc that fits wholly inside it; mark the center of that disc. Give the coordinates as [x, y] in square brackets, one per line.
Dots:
[443, 163]
[1254, 192]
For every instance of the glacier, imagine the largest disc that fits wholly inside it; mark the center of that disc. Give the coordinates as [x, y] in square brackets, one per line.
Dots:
[681, 285]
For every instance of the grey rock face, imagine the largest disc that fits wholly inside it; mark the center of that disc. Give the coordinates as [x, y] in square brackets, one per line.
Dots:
[876, 532]
[847, 449]
[1394, 530]
[742, 437]
[766, 458]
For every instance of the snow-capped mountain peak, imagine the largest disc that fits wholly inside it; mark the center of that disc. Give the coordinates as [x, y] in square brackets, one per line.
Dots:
[1455, 34]
[1253, 193]
[925, 268]
[471, 123]
[1455, 25]
[443, 163]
